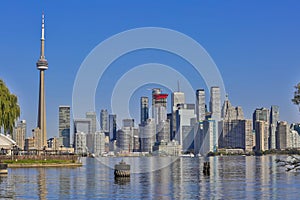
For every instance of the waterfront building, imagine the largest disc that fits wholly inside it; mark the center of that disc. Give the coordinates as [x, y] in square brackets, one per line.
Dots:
[185, 118]
[19, 134]
[147, 135]
[54, 143]
[236, 134]
[98, 147]
[261, 135]
[200, 105]
[29, 144]
[215, 103]
[80, 144]
[163, 131]
[282, 135]
[38, 140]
[42, 66]
[144, 109]
[206, 137]
[64, 125]
[176, 99]
[81, 125]
[103, 120]
[274, 118]
[125, 139]
[171, 148]
[112, 119]
[92, 116]
[293, 139]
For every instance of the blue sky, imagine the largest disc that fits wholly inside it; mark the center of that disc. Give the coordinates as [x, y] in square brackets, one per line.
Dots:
[255, 44]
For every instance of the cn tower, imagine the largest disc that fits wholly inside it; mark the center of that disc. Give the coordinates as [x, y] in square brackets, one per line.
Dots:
[42, 65]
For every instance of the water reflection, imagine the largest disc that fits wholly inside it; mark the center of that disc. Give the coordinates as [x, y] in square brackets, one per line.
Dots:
[233, 177]
[42, 184]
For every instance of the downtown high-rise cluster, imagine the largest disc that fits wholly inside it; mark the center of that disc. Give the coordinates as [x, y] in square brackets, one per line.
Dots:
[199, 127]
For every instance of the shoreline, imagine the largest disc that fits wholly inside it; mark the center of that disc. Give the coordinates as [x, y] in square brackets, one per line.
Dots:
[41, 165]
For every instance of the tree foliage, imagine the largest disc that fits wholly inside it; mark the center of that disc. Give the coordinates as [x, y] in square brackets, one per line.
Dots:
[296, 99]
[9, 109]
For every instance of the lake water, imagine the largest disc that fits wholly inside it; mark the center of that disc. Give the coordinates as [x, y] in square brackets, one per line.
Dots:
[235, 177]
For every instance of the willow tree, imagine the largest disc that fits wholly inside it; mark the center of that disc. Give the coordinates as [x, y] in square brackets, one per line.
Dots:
[9, 109]
[296, 99]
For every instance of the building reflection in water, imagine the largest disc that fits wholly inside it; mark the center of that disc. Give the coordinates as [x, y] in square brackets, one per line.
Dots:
[64, 183]
[42, 185]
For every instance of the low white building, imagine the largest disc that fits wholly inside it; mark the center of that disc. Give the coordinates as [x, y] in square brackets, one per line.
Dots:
[6, 144]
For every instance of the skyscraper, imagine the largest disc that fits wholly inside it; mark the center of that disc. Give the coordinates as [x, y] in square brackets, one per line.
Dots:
[185, 118]
[274, 115]
[92, 116]
[64, 125]
[42, 65]
[176, 99]
[282, 135]
[231, 113]
[19, 134]
[159, 105]
[274, 118]
[147, 135]
[261, 135]
[200, 104]
[112, 127]
[215, 103]
[103, 120]
[261, 114]
[144, 109]
[82, 125]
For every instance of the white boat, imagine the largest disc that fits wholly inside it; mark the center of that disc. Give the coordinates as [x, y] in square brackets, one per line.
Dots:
[191, 155]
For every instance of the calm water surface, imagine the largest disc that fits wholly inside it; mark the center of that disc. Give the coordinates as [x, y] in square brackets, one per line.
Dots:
[234, 177]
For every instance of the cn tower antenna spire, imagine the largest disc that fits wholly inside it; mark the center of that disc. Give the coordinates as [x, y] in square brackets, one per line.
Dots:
[42, 56]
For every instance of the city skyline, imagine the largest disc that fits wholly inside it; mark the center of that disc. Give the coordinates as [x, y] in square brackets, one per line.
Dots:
[270, 61]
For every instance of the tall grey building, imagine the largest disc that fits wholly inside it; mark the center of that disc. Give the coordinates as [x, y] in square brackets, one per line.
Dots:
[274, 115]
[144, 109]
[274, 118]
[206, 138]
[147, 135]
[163, 131]
[159, 105]
[92, 116]
[200, 105]
[282, 135]
[176, 99]
[125, 138]
[112, 127]
[261, 114]
[64, 125]
[81, 125]
[96, 143]
[103, 120]
[230, 112]
[261, 135]
[80, 143]
[185, 118]
[19, 134]
[215, 103]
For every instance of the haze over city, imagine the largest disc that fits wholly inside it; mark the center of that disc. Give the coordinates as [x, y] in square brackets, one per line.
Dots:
[255, 46]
